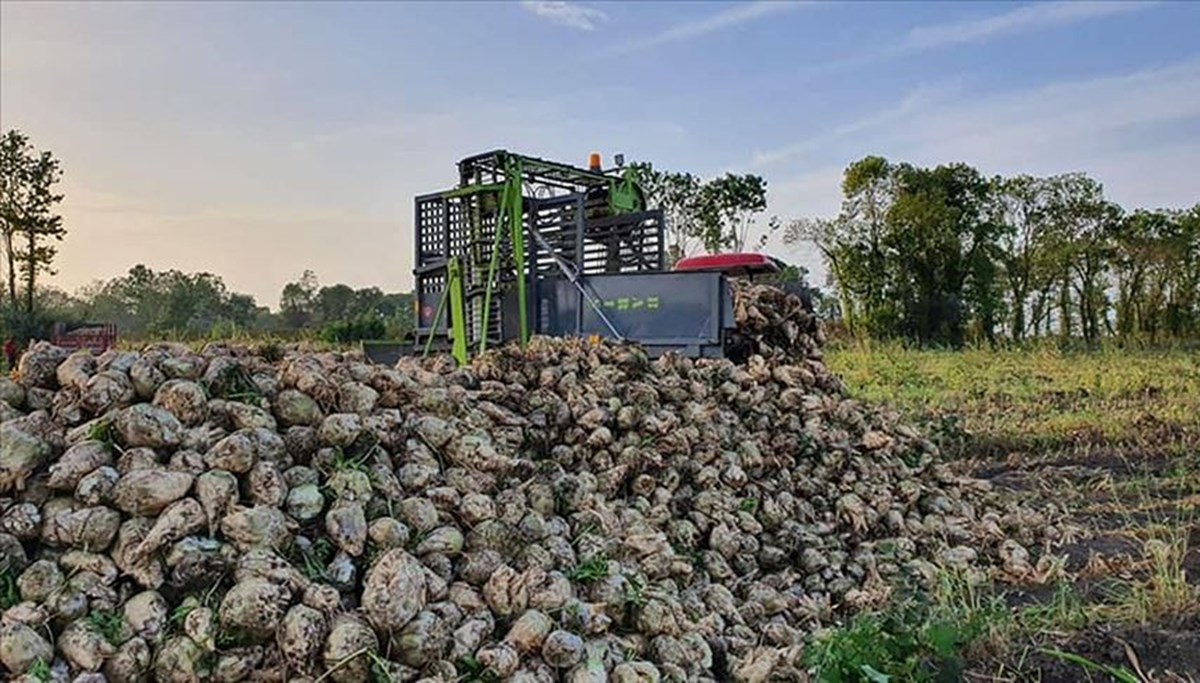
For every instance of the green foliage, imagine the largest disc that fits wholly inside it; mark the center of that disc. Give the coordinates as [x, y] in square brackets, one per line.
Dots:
[728, 206]
[297, 300]
[180, 614]
[172, 304]
[234, 383]
[341, 314]
[23, 325]
[471, 670]
[28, 224]
[9, 594]
[634, 595]
[111, 625]
[231, 638]
[1155, 262]
[677, 195]
[41, 671]
[357, 329]
[914, 638]
[912, 252]
[942, 256]
[716, 215]
[590, 571]
[168, 304]
[1119, 674]
[102, 431]
[380, 670]
[314, 559]
[271, 351]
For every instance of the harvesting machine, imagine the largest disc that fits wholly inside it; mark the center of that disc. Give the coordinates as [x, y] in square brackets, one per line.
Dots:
[524, 246]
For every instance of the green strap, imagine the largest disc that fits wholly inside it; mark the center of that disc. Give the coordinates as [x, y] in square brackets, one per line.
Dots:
[491, 276]
[458, 322]
[473, 189]
[518, 245]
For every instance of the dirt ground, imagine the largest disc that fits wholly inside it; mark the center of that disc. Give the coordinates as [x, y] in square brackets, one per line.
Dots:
[1121, 498]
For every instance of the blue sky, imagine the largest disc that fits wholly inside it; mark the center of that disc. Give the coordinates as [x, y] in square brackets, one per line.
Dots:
[259, 139]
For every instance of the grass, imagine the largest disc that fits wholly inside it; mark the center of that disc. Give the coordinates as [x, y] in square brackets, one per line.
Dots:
[40, 671]
[111, 625]
[471, 670]
[102, 431]
[1064, 609]
[10, 595]
[314, 559]
[1120, 674]
[1035, 399]
[1162, 592]
[590, 571]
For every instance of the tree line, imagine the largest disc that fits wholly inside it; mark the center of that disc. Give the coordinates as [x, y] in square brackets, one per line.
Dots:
[171, 304]
[149, 303]
[940, 256]
[717, 214]
[944, 255]
[144, 303]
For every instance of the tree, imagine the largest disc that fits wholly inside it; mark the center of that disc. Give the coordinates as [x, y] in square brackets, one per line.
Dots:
[678, 196]
[728, 206]
[1183, 304]
[1022, 208]
[298, 300]
[1082, 221]
[1155, 260]
[715, 215]
[912, 252]
[334, 303]
[853, 245]
[939, 233]
[27, 218]
[826, 234]
[169, 303]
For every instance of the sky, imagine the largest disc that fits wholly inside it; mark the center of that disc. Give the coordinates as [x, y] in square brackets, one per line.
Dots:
[259, 139]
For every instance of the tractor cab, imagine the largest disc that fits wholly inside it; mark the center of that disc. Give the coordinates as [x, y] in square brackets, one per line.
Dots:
[747, 265]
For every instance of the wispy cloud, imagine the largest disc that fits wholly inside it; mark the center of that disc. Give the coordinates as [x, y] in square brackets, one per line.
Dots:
[1060, 125]
[1128, 131]
[1023, 19]
[734, 16]
[920, 99]
[566, 13]
[1097, 125]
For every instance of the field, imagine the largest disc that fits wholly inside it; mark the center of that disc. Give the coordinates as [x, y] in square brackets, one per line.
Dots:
[1114, 437]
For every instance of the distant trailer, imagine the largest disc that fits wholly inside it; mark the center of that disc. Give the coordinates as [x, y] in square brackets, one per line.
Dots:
[99, 337]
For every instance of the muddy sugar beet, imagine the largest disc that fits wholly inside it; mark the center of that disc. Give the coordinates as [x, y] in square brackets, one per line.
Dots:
[566, 512]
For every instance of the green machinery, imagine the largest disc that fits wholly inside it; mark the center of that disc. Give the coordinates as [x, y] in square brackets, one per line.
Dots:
[523, 246]
[485, 248]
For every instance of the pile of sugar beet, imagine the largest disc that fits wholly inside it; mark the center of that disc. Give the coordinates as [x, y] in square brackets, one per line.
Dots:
[570, 511]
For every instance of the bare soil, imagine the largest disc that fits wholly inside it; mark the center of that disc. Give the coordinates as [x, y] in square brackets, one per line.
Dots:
[1115, 495]
[1158, 654]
